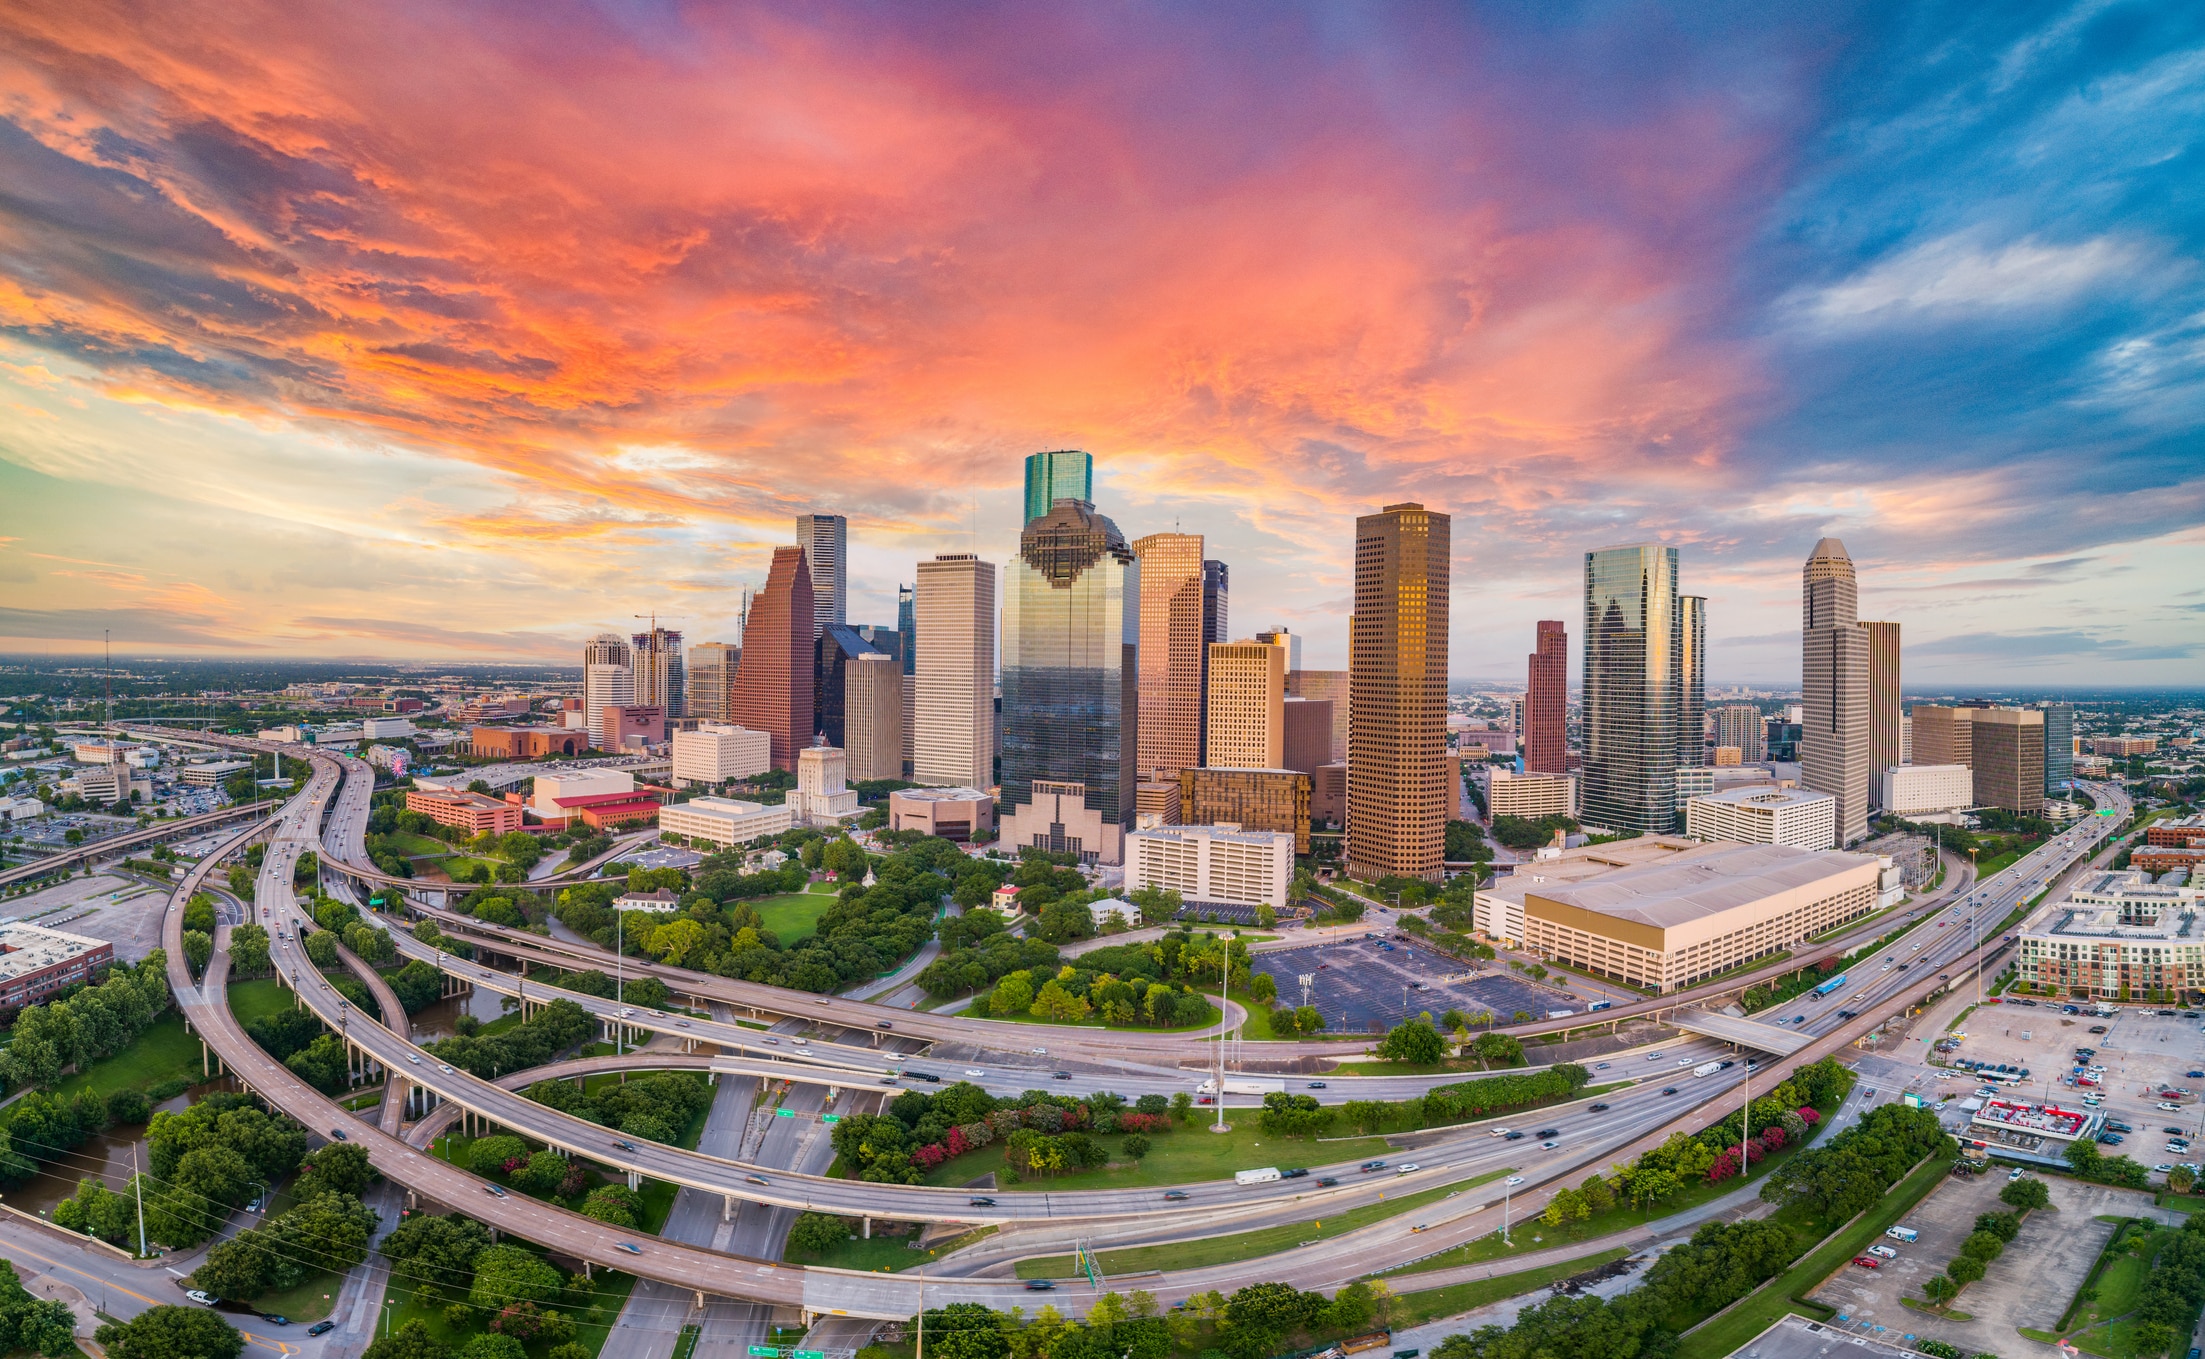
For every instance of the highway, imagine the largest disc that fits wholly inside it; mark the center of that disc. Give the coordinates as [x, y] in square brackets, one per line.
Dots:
[158, 833]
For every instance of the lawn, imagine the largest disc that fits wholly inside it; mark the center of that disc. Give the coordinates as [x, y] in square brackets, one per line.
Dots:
[2101, 1325]
[792, 915]
[1182, 1156]
[594, 1308]
[163, 1053]
[1220, 1250]
[417, 846]
[251, 1000]
[882, 1254]
[1414, 1309]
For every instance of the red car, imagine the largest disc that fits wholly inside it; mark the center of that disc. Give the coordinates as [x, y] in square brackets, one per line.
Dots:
[1867, 1262]
[1204, 1099]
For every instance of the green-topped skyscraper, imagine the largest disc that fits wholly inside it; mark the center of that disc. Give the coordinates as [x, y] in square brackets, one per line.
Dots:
[1066, 474]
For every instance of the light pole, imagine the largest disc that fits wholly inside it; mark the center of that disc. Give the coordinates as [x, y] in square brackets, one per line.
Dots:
[1508, 1187]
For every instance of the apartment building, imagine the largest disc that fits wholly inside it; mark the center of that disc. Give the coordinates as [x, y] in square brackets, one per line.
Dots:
[1213, 865]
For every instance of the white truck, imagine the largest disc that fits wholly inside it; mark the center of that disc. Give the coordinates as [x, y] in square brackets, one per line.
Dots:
[1263, 1176]
[1560, 1014]
[1707, 1068]
[1244, 1085]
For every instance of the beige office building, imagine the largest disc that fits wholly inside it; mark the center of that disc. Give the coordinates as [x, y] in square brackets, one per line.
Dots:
[1171, 659]
[872, 716]
[2008, 758]
[1218, 865]
[1326, 684]
[1944, 735]
[1247, 706]
[1833, 734]
[1668, 926]
[710, 676]
[1530, 796]
[1764, 816]
[715, 752]
[1400, 783]
[1253, 799]
[1883, 704]
[953, 713]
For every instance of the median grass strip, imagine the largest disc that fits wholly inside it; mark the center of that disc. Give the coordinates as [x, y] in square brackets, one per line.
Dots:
[1415, 1309]
[1189, 1152]
[1757, 1311]
[1220, 1250]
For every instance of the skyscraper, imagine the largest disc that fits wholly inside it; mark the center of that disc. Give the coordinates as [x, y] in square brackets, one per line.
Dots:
[1633, 674]
[1834, 688]
[1215, 628]
[1692, 685]
[1292, 641]
[1883, 703]
[1333, 686]
[707, 673]
[832, 656]
[1739, 725]
[1944, 735]
[1247, 707]
[907, 623]
[1545, 730]
[953, 641]
[1172, 653]
[1071, 676]
[1066, 474]
[608, 681]
[2009, 758]
[2059, 749]
[1399, 781]
[872, 716]
[773, 683]
[825, 540]
[659, 681]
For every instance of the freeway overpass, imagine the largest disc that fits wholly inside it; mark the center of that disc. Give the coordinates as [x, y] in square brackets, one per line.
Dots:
[160, 832]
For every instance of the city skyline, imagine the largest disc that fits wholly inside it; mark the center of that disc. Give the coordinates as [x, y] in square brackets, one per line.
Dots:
[294, 372]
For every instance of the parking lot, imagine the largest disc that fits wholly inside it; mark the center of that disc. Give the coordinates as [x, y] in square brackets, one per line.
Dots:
[2142, 1052]
[1362, 986]
[2029, 1285]
[125, 913]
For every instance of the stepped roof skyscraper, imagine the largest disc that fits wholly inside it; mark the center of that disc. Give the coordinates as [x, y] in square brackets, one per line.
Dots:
[773, 680]
[1834, 729]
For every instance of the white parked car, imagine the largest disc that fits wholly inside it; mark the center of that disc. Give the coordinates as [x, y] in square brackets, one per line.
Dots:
[1885, 1251]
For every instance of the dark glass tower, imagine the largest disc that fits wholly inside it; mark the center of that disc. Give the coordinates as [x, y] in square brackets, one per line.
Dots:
[1634, 676]
[1066, 474]
[2059, 749]
[1071, 631]
[1692, 690]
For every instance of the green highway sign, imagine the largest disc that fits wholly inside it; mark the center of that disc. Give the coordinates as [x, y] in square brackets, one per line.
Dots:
[784, 1113]
[765, 1352]
[827, 1118]
[807, 1354]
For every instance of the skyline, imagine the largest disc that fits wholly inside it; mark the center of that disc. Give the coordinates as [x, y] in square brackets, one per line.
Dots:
[332, 337]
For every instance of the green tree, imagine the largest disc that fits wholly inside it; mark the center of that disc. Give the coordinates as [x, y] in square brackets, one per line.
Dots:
[1013, 995]
[1258, 1317]
[170, 1332]
[1263, 988]
[1135, 1146]
[615, 1204]
[818, 1233]
[1964, 1269]
[410, 1341]
[1058, 1005]
[321, 948]
[1940, 1289]
[337, 1168]
[505, 1275]
[438, 1250]
[1414, 1042]
[198, 948]
[490, 1155]
[248, 950]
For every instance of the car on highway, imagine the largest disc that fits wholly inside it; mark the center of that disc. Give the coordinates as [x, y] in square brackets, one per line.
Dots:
[1653, 1056]
[1060, 1075]
[629, 1246]
[1316, 1085]
[1327, 1182]
[1512, 1137]
[974, 1071]
[681, 1023]
[203, 1299]
[444, 1067]
[1402, 1169]
[1513, 1180]
[978, 1201]
[1368, 1166]
[1684, 1061]
[1039, 1052]
[1596, 1108]
[1548, 1132]
[339, 1133]
[321, 1328]
[884, 1024]
[1040, 1285]
[624, 1146]
[757, 1179]
[1175, 1195]
[1299, 1174]
[1669, 1090]
[1549, 1145]
[1205, 1099]
[495, 1190]
[770, 1041]
[1600, 1066]
[1496, 1132]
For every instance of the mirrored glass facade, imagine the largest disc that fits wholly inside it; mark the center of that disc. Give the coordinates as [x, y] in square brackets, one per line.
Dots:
[1065, 474]
[1633, 681]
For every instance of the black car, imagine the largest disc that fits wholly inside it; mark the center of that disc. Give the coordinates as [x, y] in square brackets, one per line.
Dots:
[2111, 1139]
[1669, 1090]
[2118, 1127]
[2171, 1132]
[884, 1024]
[1369, 1166]
[1511, 1136]
[321, 1328]
[977, 1202]
[337, 1133]
[1327, 1182]
[1040, 1285]
[1175, 1194]
[1060, 1075]
[925, 1076]
[1293, 1174]
[1597, 1108]
[1550, 1132]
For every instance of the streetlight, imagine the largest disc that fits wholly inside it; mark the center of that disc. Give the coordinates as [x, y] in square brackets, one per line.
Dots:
[1508, 1186]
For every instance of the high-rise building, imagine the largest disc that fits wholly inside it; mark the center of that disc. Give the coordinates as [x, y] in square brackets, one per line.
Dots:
[1308, 733]
[1247, 707]
[873, 716]
[907, 623]
[773, 684]
[1252, 799]
[1738, 725]
[1692, 686]
[1172, 657]
[1944, 735]
[1292, 641]
[1400, 784]
[2009, 758]
[1884, 747]
[659, 680]
[709, 671]
[2059, 748]
[1333, 686]
[1216, 597]
[1545, 729]
[1071, 675]
[825, 539]
[1066, 474]
[953, 713]
[608, 681]
[1833, 730]
[838, 645]
[1633, 671]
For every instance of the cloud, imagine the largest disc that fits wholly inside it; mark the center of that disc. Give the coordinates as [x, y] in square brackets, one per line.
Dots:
[2048, 646]
[1957, 278]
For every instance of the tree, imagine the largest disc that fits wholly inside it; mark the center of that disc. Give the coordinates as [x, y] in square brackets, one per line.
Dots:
[198, 948]
[170, 1332]
[1964, 1269]
[1259, 1316]
[2082, 1156]
[1415, 1042]
[437, 1250]
[505, 1275]
[1013, 996]
[818, 1233]
[338, 1168]
[410, 1341]
[615, 1204]
[1940, 1289]
[248, 950]
[491, 1155]
[2181, 1179]
[1136, 1146]
[1263, 988]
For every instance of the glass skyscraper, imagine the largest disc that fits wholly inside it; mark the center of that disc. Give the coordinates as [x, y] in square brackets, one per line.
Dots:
[1071, 634]
[1634, 678]
[1692, 692]
[2059, 749]
[1065, 474]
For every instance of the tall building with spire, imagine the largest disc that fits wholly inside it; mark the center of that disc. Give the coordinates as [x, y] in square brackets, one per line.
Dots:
[1071, 677]
[1833, 737]
[1691, 681]
[1634, 675]
[1883, 704]
[1172, 654]
[1400, 785]
[1545, 730]
[1064, 474]
[773, 690]
[825, 539]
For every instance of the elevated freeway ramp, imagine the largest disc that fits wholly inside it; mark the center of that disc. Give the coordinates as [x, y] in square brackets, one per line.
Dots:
[1744, 1033]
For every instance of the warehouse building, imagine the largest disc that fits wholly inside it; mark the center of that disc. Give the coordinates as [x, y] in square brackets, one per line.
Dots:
[35, 963]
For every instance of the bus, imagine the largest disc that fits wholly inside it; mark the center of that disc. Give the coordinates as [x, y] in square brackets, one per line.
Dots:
[1831, 985]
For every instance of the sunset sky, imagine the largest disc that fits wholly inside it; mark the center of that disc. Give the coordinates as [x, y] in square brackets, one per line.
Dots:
[466, 331]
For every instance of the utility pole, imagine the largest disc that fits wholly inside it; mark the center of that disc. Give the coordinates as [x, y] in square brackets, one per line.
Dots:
[1224, 989]
[137, 1183]
[620, 962]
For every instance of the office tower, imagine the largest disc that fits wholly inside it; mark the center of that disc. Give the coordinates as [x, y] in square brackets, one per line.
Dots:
[1633, 671]
[1739, 725]
[1216, 578]
[1400, 784]
[825, 539]
[709, 670]
[1692, 681]
[1545, 729]
[1308, 723]
[1247, 707]
[1883, 704]
[1066, 474]
[1252, 799]
[1333, 686]
[953, 712]
[838, 645]
[1292, 641]
[1071, 676]
[1833, 729]
[659, 680]
[1944, 735]
[608, 681]
[1906, 739]
[2059, 748]
[1516, 720]
[907, 623]
[873, 703]
[2009, 758]
[1172, 657]
[773, 685]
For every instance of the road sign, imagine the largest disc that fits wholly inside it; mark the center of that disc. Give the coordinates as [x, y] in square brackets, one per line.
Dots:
[829, 1118]
[807, 1354]
[784, 1113]
[765, 1352]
